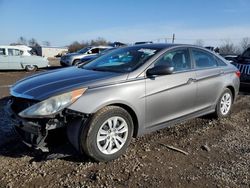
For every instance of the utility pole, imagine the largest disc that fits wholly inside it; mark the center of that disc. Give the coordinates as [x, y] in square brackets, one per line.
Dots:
[173, 38]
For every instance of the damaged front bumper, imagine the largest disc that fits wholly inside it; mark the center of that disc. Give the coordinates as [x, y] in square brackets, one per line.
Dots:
[34, 132]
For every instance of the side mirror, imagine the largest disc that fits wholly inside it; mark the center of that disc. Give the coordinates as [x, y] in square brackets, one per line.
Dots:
[160, 70]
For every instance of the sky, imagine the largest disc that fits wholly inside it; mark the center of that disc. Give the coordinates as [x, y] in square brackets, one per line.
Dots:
[63, 21]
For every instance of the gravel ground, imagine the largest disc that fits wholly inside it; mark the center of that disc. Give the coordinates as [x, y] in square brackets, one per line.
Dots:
[218, 155]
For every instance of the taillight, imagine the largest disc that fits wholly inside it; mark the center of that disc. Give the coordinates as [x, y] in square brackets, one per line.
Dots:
[237, 73]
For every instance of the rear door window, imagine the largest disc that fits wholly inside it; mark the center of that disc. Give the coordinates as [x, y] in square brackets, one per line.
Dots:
[203, 59]
[14, 52]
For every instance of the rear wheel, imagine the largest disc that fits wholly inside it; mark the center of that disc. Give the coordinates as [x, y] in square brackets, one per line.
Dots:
[107, 135]
[223, 107]
[31, 68]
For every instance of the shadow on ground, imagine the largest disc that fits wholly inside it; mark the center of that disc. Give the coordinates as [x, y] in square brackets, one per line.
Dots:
[11, 145]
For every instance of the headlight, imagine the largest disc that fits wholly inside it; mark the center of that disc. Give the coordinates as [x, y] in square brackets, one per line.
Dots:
[52, 105]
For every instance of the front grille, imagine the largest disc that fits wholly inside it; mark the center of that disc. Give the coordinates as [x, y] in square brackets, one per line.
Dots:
[243, 68]
[20, 104]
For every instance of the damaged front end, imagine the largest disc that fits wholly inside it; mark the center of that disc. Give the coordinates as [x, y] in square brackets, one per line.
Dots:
[35, 132]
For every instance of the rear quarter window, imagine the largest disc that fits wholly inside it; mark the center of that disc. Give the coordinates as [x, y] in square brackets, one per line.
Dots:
[220, 62]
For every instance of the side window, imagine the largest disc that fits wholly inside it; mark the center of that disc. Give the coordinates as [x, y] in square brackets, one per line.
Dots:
[2, 51]
[94, 51]
[178, 59]
[14, 52]
[220, 62]
[203, 59]
[102, 49]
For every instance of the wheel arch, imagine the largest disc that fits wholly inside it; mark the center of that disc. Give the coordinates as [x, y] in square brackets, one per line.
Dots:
[133, 116]
[232, 89]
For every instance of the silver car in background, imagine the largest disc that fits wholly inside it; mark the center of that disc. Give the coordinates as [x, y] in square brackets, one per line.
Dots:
[75, 58]
[126, 93]
[18, 58]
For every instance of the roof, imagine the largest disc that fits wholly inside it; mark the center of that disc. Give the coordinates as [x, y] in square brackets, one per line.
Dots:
[19, 47]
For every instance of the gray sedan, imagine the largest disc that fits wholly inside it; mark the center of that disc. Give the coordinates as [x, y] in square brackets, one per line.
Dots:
[123, 94]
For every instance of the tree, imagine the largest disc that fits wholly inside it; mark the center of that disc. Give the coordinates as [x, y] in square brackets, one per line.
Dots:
[46, 43]
[33, 42]
[245, 43]
[199, 42]
[22, 41]
[228, 48]
[75, 46]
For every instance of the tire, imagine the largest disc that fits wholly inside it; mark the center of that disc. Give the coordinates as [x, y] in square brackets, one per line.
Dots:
[224, 104]
[31, 68]
[113, 140]
[76, 62]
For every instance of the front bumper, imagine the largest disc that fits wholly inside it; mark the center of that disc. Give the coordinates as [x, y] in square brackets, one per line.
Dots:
[33, 132]
[66, 62]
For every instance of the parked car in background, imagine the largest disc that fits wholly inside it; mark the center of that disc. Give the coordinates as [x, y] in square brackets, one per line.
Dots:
[242, 62]
[91, 57]
[19, 58]
[128, 92]
[230, 58]
[75, 58]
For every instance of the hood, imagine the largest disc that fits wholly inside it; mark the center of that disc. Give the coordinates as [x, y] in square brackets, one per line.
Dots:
[45, 85]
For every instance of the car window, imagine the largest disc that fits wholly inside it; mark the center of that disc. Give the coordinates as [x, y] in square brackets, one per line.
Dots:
[94, 51]
[203, 59]
[14, 52]
[220, 62]
[179, 59]
[2, 51]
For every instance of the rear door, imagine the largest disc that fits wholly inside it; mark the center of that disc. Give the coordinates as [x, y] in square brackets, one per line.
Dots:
[14, 59]
[171, 96]
[209, 77]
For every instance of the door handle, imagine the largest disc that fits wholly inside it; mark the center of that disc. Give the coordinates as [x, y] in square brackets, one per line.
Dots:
[191, 80]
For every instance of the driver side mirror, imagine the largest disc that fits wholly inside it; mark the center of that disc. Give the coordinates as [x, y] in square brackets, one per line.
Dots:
[160, 70]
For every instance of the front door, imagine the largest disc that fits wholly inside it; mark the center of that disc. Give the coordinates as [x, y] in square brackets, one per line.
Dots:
[171, 96]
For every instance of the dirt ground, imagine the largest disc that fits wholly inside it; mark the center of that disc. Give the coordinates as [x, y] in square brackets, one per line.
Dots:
[218, 155]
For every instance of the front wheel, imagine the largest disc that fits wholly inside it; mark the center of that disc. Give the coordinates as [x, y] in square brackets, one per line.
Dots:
[224, 105]
[107, 135]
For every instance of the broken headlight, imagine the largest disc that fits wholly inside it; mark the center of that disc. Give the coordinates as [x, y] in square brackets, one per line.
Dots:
[52, 105]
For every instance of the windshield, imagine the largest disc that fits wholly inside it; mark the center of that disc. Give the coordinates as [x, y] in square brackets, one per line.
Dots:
[122, 60]
[84, 50]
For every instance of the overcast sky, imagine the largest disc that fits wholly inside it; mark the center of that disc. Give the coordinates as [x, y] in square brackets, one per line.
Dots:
[61, 22]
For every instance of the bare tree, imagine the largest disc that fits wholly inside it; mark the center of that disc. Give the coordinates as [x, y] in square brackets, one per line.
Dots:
[229, 48]
[22, 40]
[95, 42]
[46, 43]
[245, 43]
[33, 42]
[199, 42]
[73, 47]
